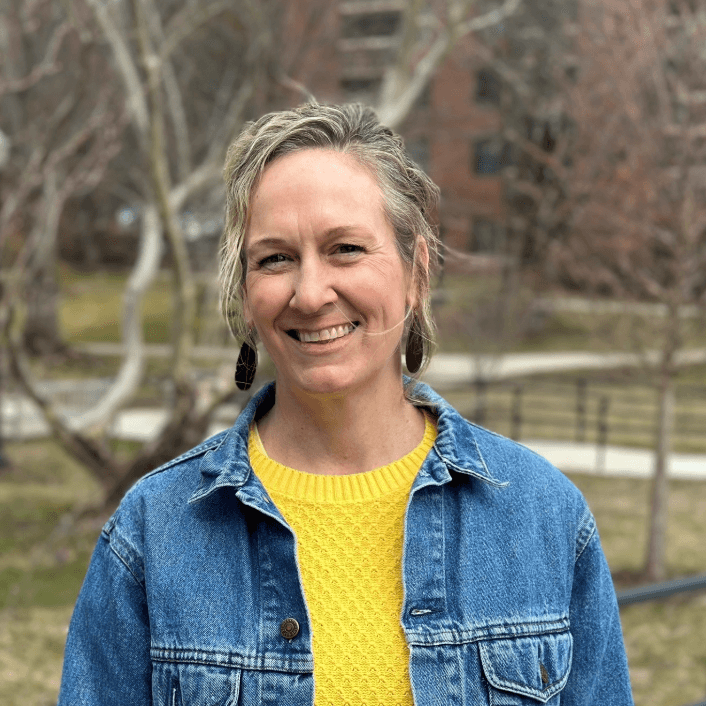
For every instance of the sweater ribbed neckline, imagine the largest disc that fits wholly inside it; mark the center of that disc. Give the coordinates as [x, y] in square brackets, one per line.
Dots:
[355, 487]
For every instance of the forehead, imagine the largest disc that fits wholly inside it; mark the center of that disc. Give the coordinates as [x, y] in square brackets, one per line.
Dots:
[316, 188]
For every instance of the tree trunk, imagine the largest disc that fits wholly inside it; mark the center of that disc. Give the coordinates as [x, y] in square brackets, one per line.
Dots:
[655, 563]
[41, 334]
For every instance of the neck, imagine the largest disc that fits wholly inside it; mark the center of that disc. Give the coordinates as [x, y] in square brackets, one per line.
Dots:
[342, 434]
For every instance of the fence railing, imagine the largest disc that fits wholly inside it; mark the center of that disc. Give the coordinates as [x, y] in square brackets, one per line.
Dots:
[661, 590]
[600, 412]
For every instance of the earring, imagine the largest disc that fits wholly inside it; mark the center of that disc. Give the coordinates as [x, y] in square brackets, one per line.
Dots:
[414, 352]
[246, 366]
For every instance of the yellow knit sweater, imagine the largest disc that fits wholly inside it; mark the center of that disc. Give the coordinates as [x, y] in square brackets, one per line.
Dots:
[349, 541]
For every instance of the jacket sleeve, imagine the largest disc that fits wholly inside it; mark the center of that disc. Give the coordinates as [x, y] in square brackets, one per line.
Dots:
[599, 671]
[107, 657]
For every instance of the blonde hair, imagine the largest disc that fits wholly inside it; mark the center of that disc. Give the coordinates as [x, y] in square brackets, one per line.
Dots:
[410, 197]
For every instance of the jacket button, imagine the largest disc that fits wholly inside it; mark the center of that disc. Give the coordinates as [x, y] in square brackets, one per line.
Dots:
[289, 628]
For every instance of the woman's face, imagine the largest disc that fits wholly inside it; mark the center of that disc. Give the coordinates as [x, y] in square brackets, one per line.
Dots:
[325, 286]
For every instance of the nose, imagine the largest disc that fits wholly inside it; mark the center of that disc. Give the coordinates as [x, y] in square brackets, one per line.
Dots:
[313, 288]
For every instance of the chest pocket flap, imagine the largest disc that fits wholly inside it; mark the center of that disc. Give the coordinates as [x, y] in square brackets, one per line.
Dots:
[536, 666]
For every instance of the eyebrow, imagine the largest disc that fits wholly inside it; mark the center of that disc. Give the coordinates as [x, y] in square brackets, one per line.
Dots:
[276, 242]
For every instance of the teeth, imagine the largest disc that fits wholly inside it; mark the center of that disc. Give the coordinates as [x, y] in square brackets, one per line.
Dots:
[327, 334]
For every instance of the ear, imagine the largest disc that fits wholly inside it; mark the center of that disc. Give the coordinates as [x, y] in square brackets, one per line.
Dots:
[420, 271]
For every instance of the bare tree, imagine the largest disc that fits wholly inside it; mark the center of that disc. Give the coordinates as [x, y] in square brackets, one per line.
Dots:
[182, 161]
[61, 129]
[638, 185]
[190, 75]
[428, 34]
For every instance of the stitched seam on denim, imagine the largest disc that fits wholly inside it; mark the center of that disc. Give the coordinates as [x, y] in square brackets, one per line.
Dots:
[527, 690]
[587, 528]
[214, 658]
[530, 689]
[471, 472]
[199, 450]
[128, 549]
[455, 638]
[108, 527]
[459, 657]
[124, 563]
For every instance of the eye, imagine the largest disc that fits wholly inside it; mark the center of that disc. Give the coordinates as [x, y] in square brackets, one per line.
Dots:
[349, 249]
[272, 261]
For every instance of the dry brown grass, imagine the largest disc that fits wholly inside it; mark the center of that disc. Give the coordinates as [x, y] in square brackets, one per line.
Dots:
[45, 552]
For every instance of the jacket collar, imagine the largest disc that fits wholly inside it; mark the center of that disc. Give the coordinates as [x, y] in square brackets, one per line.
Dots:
[457, 441]
[226, 464]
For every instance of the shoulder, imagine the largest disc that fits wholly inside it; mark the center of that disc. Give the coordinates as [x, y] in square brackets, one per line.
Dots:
[517, 464]
[518, 483]
[159, 496]
[177, 477]
[544, 493]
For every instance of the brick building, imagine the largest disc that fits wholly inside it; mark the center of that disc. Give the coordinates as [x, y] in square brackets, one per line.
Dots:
[453, 130]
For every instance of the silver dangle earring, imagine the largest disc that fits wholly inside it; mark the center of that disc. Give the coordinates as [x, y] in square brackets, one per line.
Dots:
[246, 366]
[414, 351]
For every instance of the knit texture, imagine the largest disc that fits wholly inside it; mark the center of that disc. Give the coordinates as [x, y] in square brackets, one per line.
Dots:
[350, 531]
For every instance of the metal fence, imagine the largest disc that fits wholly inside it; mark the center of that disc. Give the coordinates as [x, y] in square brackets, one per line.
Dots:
[577, 409]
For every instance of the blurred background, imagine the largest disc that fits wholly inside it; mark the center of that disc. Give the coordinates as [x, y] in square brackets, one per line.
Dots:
[568, 138]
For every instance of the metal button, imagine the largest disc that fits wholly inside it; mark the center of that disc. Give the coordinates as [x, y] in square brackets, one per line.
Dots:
[289, 628]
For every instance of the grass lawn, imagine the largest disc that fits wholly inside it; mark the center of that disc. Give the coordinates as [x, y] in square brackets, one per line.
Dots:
[44, 551]
[465, 310]
[664, 639]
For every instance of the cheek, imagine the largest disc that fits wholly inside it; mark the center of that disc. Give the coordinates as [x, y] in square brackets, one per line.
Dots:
[266, 298]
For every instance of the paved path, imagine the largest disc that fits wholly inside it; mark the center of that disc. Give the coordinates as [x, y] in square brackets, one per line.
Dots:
[616, 460]
[143, 424]
[450, 369]
[21, 419]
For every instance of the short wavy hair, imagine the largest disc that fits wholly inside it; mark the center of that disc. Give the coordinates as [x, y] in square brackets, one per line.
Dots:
[410, 197]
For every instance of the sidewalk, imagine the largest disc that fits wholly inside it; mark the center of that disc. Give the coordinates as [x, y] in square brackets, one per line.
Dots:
[21, 419]
[615, 460]
[144, 424]
[449, 369]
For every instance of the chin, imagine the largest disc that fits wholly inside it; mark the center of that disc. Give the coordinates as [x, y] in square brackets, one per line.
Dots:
[338, 380]
[326, 385]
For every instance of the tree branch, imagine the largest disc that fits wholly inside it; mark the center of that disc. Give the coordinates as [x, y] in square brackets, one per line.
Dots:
[402, 85]
[186, 21]
[47, 67]
[133, 365]
[126, 67]
[87, 451]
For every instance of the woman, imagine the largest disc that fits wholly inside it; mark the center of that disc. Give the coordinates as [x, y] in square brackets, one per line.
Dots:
[352, 539]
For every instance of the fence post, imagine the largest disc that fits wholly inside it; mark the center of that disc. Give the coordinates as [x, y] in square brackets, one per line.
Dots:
[516, 428]
[602, 436]
[581, 394]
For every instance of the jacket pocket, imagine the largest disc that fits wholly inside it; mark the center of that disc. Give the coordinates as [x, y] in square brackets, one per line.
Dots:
[176, 684]
[521, 671]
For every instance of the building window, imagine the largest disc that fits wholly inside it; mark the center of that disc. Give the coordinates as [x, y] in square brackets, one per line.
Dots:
[491, 155]
[488, 87]
[372, 24]
[361, 88]
[488, 236]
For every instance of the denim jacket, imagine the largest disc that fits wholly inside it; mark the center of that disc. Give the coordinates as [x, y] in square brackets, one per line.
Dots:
[508, 600]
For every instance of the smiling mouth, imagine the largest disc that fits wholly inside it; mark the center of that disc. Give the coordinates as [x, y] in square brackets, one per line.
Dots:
[324, 335]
